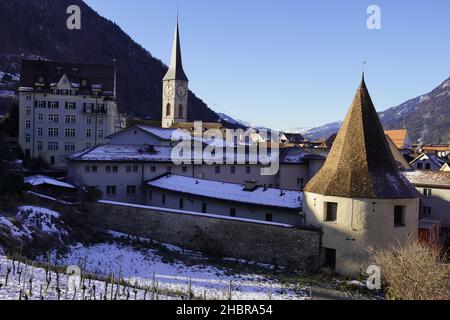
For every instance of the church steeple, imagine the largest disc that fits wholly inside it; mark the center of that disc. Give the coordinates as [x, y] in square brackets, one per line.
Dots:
[176, 71]
[175, 88]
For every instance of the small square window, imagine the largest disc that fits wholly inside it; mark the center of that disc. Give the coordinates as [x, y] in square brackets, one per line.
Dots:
[233, 170]
[232, 212]
[399, 216]
[181, 204]
[217, 169]
[204, 207]
[269, 217]
[427, 193]
[331, 211]
[152, 169]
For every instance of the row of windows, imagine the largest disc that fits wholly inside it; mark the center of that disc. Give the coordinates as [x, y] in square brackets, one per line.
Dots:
[232, 212]
[69, 119]
[331, 214]
[112, 190]
[64, 92]
[68, 132]
[54, 145]
[69, 105]
[421, 166]
[109, 169]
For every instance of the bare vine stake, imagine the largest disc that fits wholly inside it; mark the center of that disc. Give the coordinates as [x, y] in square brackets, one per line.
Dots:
[190, 289]
[19, 273]
[270, 292]
[112, 285]
[8, 271]
[106, 289]
[67, 285]
[230, 291]
[31, 280]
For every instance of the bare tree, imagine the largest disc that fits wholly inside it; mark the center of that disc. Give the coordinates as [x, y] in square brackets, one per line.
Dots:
[414, 271]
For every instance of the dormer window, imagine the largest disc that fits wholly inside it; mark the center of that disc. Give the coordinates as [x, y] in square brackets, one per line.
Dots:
[84, 82]
[41, 80]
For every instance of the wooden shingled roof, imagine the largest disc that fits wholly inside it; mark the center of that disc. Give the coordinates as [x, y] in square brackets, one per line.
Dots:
[360, 163]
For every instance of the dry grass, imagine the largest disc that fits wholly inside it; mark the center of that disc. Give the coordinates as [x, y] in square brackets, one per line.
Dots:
[414, 272]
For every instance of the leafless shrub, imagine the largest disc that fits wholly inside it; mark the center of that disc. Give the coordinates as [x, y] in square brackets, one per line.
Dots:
[414, 271]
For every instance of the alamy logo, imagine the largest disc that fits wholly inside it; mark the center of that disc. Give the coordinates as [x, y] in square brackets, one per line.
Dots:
[374, 280]
[74, 19]
[374, 20]
[217, 147]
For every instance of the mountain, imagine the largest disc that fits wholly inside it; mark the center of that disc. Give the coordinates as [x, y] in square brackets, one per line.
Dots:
[233, 123]
[426, 117]
[37, 29]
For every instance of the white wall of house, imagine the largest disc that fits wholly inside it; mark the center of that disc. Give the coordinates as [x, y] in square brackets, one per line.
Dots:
[42, 130]
[179, 201]
[360, 225]
[290, 177]
[435, 204]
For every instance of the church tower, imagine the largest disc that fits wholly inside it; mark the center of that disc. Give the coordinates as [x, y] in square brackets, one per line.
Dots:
[175, 88]
[359, 198]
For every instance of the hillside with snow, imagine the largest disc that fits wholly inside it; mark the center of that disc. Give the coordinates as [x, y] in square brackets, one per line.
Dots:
[141, 267]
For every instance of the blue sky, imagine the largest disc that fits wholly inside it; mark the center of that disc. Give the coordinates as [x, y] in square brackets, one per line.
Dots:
[294, 63]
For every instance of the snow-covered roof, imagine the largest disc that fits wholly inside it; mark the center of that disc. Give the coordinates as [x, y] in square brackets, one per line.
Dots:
[40, 180]
[438, 179]
[434, 158]
[162, 133]
[146, 153]
[229, 191]
[124, 153]
[298, 156]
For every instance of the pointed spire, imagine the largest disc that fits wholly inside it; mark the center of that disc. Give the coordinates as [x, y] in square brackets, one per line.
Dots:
[176, 71]
[360, 163]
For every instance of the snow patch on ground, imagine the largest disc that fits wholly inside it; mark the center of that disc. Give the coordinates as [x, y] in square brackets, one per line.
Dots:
[19, 286]
[42, 219]
[14, 230]
[144, 266]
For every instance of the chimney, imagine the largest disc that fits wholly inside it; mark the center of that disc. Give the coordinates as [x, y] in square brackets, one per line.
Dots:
[250, 185]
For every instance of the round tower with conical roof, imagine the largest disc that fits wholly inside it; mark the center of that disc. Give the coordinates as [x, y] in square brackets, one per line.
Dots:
[359, 198]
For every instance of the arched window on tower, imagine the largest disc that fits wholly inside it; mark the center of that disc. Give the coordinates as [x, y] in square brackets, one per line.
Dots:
[180, 111]
[168, 107]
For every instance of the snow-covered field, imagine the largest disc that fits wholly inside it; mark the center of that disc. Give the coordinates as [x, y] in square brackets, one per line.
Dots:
[176, 273]
[145, 266]
[25, 282]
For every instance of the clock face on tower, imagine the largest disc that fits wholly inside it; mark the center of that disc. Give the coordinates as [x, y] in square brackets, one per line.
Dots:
[182, 90]
[169, 90]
